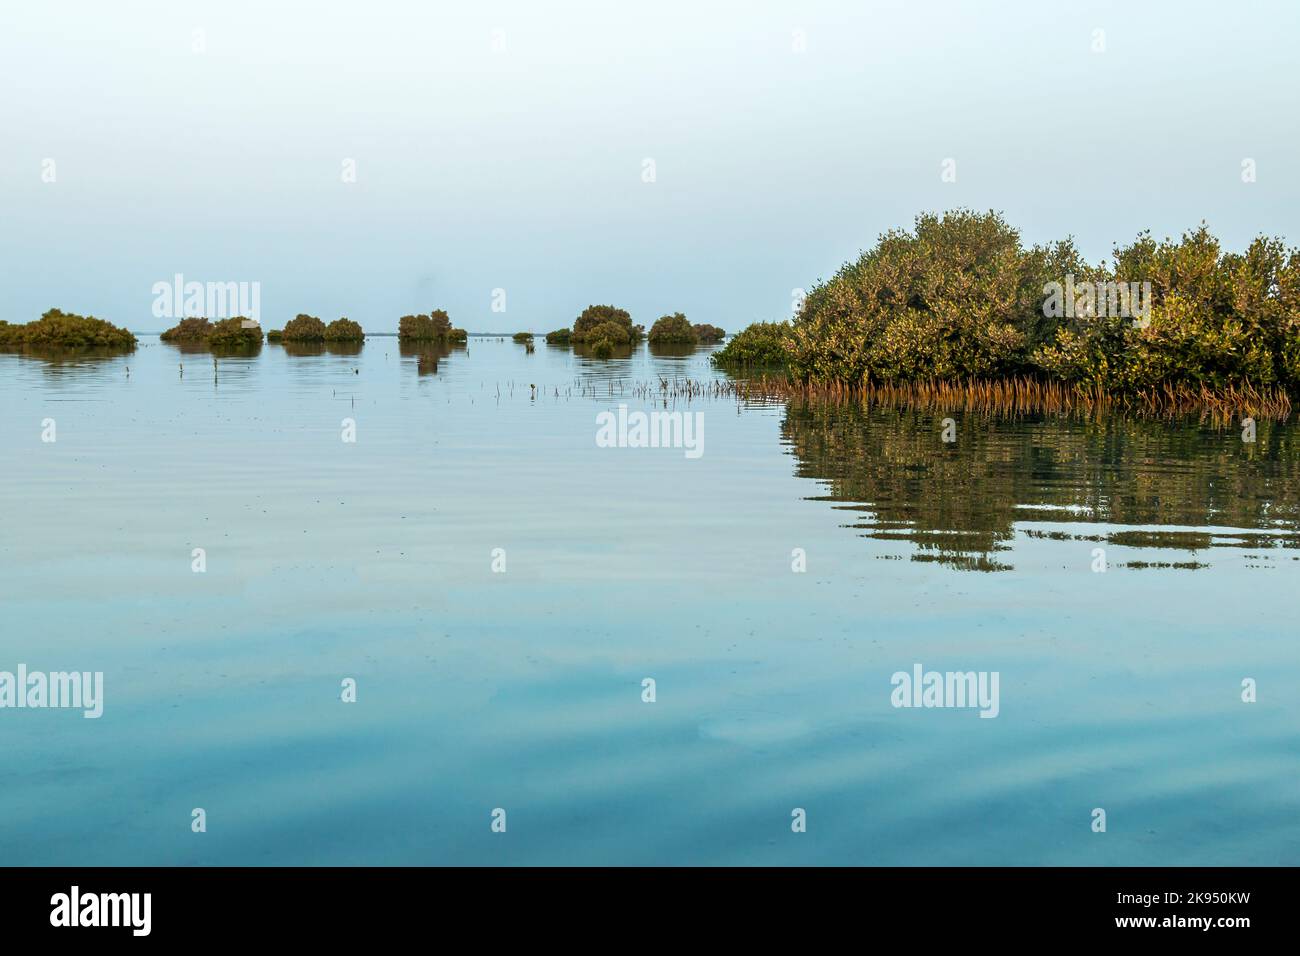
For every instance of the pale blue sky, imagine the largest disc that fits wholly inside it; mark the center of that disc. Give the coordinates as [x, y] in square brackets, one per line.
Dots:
[522, 169]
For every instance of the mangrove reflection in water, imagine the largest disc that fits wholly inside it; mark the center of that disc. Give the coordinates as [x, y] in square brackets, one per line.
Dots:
[427, 355]
[1179, 485]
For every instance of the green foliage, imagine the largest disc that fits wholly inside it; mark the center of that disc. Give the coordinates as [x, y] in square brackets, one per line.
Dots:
[595, 317]
[707, 334]
[673, 329]
[959, 297]
[434, 327]
[275, 335]
[457, 335]
[60, 330]
[188, 330]
[956, 298]
[763, 344]
[231, 334]
[559, 337]
[304, 328]
[523, 336]
[223, 334]
[605, 339]
[344, 330]
[1216, 320]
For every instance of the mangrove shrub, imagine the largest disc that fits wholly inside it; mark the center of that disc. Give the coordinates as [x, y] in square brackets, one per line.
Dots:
[303, 328]
[344, 330]
[762, 344]
[672, 330]
[434, 327]
[58, 329]
[232, 334]
[188, 330]
[592, 325]
[960, 297]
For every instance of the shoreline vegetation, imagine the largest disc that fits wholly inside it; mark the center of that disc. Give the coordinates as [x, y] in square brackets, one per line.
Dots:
[955, 313]
[65, 330]
[1025, 395]
[959, 313]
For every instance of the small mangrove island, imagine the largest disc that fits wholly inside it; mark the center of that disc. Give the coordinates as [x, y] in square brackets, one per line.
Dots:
[706, 334]
[65, 330]
[604, 330]
[224, 334]
[303, 328]
[344, 330]
[434, 327]
[673, 330]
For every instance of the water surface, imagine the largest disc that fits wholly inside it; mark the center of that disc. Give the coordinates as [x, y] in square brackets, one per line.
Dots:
[523, 690]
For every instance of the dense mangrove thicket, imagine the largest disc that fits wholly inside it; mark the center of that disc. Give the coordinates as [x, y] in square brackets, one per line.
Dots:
[191, 330]
[303, 328]
[59, 330]
[960, 298]
[434, 327]
[233, 333]
[673, 329]
[344, 330]
[603, 328]
[223, 334]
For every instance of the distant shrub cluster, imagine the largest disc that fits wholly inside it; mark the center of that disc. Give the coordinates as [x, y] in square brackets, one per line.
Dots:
[58, 330]
[188, 330]
[424, 328]
[434, 327]
[307, 329]
[959, 297]
[223, 334]
[344, 330]
[231, 334]
[303, 328]
[522, 336]
[605, 329]
[673, 329]
[605, 324]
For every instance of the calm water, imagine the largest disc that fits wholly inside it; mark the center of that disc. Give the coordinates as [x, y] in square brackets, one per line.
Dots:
[522, 690]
